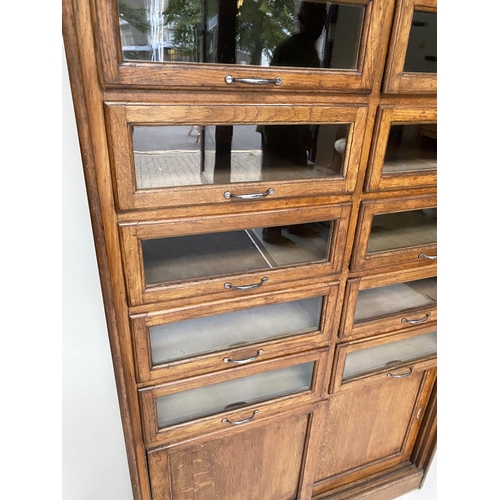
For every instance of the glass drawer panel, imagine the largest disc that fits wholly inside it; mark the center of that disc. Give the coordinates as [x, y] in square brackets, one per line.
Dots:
[373, 358]
[185, 339]
[232, 394]
[208, 255]
[391, 299]
[421, 54]
[411, 148]
[403, 229]
[262, 33]
[166, 156]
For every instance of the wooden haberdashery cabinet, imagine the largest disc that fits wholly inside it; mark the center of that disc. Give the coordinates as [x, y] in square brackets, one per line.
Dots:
[262, 182]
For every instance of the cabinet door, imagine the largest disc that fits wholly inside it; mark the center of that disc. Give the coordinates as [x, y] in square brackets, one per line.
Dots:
[384, 303]
[395, 232]
[236, 45]
[215, 336]
[176, 155]
[232, 255]
[270, 460]
[371, 427]
[404, 150]
[412, 60]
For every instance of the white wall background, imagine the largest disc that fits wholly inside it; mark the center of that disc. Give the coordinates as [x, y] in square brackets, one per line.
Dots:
[94, 465]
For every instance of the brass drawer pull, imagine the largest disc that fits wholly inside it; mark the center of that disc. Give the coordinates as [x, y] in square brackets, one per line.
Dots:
[424, 256]
[243, 361]
[239, 422]
[416, 321]
[254, 81]
[228, 195]
[403, 375]
[228, 286]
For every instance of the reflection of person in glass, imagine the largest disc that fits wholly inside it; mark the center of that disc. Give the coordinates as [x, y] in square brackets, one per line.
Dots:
[286, 148]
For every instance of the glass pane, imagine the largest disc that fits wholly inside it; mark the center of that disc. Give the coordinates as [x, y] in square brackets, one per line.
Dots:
[387, 355]
[251, 32]
[421, 55]
[198, 336]
[403, 229]
[393, 299]
[233, 394]
[208, 255]
[411, 148]
[188, 156]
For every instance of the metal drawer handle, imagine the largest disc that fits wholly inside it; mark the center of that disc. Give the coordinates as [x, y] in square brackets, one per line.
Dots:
[403, 375]
[228, 286]
[254, 81]
[424, 256]
[239, 422]
[228, 195]
[416, 321]
[243, 361]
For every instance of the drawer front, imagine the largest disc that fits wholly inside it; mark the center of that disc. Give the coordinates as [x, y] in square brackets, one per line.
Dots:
[233, 255]
[176, 155]
[394, 356]
[396, 232]
[215, 45]
[412, 59]
[404, 149]
[386, 303]
[216, 336]
[219, 401]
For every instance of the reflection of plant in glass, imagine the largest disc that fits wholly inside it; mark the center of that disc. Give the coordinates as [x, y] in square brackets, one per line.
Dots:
[135, 17]
[185, 17]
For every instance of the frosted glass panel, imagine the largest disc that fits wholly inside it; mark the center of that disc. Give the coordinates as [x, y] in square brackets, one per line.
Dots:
[198, 336]
[387, 355]
[233, 394]
[208, 255]
[392, 299]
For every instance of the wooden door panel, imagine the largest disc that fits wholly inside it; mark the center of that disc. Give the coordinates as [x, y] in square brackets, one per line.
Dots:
[372, 427]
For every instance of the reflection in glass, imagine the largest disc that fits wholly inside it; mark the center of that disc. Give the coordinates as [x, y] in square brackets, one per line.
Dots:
[166, 156]
[421, 55]
[251, 32]
[403, 229]
[393, 299]
[411, 148]
[185, 339]
[391, 354]
[208, 255]
[233, 394]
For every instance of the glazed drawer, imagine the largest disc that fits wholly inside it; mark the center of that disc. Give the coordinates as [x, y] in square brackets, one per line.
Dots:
[217, 336]
[396, 232]
[384, 303]
[232, 255]
[198, 405]
[394, 356]
[177, 154]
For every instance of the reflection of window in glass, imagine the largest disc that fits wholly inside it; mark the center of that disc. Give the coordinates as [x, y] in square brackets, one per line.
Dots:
[403, 229]
[411, 148]
[421, 54]
[260, 32]
[187, 156]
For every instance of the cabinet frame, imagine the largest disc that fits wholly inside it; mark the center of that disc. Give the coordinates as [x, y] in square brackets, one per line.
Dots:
[396, 81]
[153, 435]
[404, 256]
[388, 115]
[349, 330]
[132, 234]
[114, 71]
[213, 361]
[122, 117]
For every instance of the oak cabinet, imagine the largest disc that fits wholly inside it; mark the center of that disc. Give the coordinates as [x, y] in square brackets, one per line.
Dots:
[261, 178]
